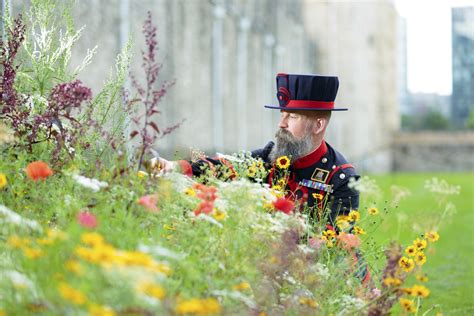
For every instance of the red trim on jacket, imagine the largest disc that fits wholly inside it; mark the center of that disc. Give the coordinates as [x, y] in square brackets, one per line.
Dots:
[311, 158]
[344, 166]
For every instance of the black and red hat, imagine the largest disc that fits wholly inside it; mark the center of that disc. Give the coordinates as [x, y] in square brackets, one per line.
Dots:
[306, 92]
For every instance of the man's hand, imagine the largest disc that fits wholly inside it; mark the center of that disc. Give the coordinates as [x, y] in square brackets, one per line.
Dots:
[161, 165]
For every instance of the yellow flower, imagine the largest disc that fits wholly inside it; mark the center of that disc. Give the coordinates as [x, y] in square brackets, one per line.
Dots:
[98, 310]
[70, 294]
[359, 231]
[408, 305]
[422, 278]
[329, 234]
[354, 216]
[420, 290]
[277, 187]
[152, 290]
[308, 301]
[318, 196]
[92, 239]
[242, 286]
[74, 266]
[45, 241]
[420, 244]
[218, 214]
[373, 211]
[2, 313]
[32, 253]
[407, 290]
[252, 170]
[342, 224]
[420, 258]
[190, 192]
[15, 241]
[3, 180]
[56, 234]
[268, 207]
[342, 218]
[406, 264]
[432, 236]
[329, 242]
[283, 162]
[168, 227]
[410, 250]
[392, 281]
[142, 174]
[199, 306]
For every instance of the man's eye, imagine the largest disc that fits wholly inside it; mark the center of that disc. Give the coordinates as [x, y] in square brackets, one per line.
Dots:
[293, 116]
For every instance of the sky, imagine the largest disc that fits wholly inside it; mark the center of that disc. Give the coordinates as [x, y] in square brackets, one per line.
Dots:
[429, 43]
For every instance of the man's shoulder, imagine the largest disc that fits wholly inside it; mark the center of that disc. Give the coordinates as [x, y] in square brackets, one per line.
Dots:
[338, 159]
[342, 170]
[263, 152]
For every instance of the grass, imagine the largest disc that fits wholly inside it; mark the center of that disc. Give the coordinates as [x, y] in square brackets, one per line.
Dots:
[450, 265]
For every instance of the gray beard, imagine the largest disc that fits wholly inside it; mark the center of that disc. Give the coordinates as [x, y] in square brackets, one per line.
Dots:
[288, 145]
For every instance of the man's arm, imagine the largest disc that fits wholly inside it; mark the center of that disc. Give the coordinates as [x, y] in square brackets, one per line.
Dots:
[196, 168]
[343, 199]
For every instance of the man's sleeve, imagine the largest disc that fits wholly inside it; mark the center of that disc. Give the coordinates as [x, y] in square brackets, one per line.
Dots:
[343, 199]
[219, 166]
[264, 152]
[203, 165]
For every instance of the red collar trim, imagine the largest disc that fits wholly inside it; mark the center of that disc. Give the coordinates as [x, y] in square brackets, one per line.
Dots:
[311, 158]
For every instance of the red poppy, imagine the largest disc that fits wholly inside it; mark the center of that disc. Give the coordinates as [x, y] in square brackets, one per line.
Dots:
[38, 170]
[186, 168]
[284, 205]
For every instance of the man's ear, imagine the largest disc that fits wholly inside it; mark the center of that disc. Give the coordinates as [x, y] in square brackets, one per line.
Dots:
[319, 125]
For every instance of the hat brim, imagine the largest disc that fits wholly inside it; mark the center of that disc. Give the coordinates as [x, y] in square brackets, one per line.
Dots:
[303, 109]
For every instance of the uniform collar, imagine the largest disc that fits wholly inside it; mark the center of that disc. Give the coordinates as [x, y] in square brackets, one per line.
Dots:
[312, 157]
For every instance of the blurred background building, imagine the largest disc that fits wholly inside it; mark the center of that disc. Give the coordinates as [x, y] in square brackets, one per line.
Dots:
[463, 65]
[225, 54]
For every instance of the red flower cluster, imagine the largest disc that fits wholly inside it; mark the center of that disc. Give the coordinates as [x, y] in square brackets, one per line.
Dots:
[284, 205]
[207, 195]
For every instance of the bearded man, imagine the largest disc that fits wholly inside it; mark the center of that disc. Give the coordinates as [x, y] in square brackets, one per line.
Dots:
[318, 176]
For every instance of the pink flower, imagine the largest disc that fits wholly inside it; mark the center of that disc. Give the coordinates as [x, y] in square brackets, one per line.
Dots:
[376, 292]
[316, 242]
[87, 219]
[348, 241]
[149, 202]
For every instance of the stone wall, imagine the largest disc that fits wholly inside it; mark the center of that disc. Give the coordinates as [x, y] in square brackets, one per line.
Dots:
[224, 55]
[434, 151]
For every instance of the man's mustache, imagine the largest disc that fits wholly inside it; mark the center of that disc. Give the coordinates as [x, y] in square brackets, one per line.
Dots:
[284, 134]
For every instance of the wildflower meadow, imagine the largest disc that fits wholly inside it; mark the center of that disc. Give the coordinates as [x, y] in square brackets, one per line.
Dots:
[88, 226]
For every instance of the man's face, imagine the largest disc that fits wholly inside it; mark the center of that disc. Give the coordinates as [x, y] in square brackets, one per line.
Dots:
[293, 138]
[296, 124]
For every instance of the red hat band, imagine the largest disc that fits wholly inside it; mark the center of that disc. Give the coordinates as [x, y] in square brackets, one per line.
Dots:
[310, 104]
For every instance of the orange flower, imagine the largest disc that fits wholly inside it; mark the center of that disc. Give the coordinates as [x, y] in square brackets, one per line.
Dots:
[38, 170]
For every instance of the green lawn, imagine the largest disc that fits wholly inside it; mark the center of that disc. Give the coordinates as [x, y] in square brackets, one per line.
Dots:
[450, 265]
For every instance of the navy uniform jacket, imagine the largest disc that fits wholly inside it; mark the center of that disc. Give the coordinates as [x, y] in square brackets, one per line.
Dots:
[321, 179]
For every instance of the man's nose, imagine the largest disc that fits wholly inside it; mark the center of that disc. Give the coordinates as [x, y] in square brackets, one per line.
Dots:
[283, 122]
